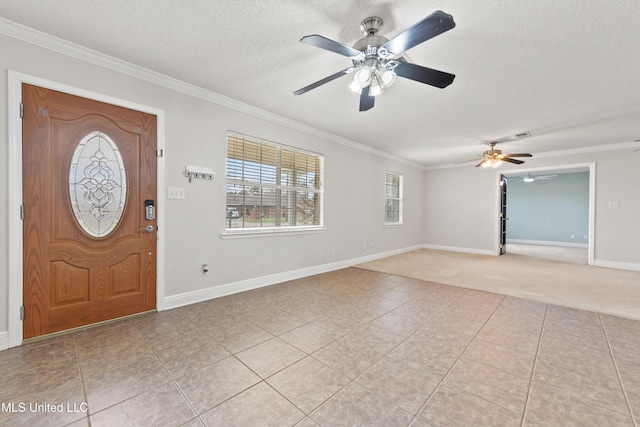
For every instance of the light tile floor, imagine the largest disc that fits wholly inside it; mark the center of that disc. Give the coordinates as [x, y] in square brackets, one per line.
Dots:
[346, 348]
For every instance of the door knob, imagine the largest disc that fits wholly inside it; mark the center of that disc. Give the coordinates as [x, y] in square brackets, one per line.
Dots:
[148, 229]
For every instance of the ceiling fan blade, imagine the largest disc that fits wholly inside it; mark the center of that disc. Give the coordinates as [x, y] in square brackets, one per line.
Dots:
[467, 161]
[514, 161]
[436, 23]
[323, 81]
[480, 164]
[328, 44]
[425, 75]
[366, 101]
[514, 137]
[518, 155]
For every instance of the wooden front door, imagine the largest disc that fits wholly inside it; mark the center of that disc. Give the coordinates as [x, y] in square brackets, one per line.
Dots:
[88, 168]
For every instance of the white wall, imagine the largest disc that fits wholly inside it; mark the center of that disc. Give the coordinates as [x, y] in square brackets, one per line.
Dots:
[460, 209]
[196, 134]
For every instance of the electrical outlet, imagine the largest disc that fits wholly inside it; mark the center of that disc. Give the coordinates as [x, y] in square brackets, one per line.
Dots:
[364, 247]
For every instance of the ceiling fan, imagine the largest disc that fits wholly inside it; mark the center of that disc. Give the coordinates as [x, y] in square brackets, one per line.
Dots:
[493, 158]
[377, 61]
[532, 178]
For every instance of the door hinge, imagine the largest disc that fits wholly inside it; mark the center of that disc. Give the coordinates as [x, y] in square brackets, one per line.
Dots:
[21, 110]
[160, 152]
[22, 312]
[22, 212]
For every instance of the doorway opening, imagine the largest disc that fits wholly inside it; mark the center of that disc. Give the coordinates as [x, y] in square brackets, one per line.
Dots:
[550, 213]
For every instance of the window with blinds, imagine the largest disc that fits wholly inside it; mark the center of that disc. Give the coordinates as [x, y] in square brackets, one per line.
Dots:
[393, 199]
[271, 185]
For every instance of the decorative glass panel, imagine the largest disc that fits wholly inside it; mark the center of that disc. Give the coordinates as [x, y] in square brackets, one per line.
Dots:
[97, 184]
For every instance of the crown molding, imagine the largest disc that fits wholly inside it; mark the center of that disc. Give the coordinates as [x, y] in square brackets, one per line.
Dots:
[74, 50]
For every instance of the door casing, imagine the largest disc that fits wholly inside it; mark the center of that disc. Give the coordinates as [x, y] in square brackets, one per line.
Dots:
[14, 202]
[591, 166]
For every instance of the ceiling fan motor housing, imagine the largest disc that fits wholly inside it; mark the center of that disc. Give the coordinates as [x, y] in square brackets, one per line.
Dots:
[370, 44]
[371, 25]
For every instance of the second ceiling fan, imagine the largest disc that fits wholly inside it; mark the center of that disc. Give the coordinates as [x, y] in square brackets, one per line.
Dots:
[377, 61]
[493, 158]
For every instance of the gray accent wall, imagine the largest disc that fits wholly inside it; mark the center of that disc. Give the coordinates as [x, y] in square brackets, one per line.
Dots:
[552, 210]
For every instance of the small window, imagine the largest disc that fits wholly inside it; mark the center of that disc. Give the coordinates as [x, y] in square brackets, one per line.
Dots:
[393, 199]
[272, 186]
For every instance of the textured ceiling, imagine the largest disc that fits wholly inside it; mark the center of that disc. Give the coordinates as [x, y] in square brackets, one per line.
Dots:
[566, 71]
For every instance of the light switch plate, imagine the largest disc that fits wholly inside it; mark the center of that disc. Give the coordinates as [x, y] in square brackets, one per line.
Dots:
[176, 193]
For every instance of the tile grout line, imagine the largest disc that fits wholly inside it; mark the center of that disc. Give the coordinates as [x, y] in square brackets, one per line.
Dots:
[186, 398]
[173, 380]
[84, 389]
[353, 381]
[615, 365]
[535, 364]
[143, 392]
[459, 357]
[262, 380]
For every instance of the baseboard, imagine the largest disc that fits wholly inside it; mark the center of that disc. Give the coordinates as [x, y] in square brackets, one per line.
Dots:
[617, 265]
[187, 298]
[457, 249]
[548, 243]
[4, 340]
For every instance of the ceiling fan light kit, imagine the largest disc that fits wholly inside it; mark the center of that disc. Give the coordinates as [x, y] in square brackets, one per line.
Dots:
[377, 60]
[491, 163]
[374, 69]
[531, 178]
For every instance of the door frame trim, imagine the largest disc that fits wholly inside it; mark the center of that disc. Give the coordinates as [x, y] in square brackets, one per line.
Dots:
[591, 166]
[14, 202]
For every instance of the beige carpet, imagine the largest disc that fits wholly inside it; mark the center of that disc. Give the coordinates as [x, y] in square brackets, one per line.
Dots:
[555, 253]
[602, 290]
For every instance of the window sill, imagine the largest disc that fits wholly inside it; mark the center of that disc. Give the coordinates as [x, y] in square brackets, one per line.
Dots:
[395, 225]
[269, 232]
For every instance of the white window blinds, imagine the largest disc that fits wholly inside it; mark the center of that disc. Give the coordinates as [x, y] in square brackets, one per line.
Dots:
[271, 185]
[393, 198]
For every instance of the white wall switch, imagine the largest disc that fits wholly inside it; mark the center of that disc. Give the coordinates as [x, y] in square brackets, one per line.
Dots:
[176, 193]
[613, 205]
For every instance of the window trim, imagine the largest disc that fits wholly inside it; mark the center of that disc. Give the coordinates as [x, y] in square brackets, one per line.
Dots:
[245, 233]
[400, 199]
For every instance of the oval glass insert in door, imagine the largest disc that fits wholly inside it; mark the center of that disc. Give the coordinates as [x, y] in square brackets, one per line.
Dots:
[97, 184]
